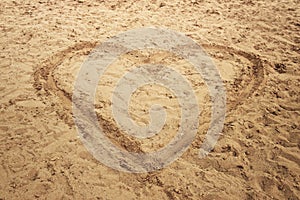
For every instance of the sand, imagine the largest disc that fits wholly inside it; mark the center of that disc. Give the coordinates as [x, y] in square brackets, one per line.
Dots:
[254, 44]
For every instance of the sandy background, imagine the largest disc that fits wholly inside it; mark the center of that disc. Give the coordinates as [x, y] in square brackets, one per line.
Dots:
[254, 44]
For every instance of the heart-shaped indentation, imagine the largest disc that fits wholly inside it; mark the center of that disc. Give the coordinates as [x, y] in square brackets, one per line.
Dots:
[241, 72]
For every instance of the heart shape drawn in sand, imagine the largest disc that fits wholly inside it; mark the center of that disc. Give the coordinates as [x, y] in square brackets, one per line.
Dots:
[241, 73]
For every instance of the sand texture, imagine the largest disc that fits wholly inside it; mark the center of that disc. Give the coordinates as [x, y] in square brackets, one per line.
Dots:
[254, 44]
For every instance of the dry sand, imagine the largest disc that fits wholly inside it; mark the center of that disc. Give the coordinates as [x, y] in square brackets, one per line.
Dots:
[254, 44]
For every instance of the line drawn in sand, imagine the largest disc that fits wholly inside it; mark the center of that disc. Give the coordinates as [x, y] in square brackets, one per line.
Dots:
[44, 79]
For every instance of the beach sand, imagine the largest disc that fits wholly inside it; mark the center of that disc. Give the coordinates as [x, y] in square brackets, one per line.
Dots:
[254, 44]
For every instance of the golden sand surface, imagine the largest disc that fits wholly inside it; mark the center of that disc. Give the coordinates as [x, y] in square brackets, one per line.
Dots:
[255, 45]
